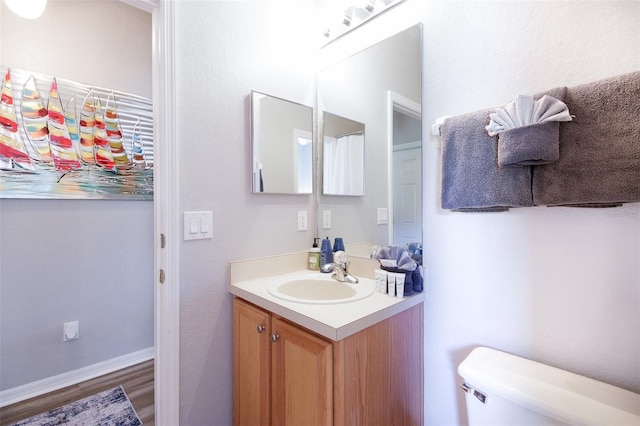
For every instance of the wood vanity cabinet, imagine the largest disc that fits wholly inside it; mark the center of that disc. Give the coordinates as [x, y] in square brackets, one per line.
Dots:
[284, 374]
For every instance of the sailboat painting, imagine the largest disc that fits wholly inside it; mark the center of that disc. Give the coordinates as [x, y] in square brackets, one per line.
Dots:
[64, 154]
[13, 151]
[53, 147]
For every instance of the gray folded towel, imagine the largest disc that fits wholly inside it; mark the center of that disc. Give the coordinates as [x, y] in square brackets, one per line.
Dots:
[471, 180]
[527, 129]
[529, 145]
[599, 162]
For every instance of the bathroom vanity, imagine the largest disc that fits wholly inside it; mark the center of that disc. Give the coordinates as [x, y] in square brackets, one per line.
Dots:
[352, 363]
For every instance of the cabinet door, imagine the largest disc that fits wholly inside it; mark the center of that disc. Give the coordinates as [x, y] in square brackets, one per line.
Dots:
[302, 380]
[251, 365]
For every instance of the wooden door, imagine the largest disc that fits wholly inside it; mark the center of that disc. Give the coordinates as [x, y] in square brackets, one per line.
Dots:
[302, 377]
[251, 365]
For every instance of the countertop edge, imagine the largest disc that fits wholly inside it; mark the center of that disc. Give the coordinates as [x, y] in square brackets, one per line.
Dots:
[332, 333]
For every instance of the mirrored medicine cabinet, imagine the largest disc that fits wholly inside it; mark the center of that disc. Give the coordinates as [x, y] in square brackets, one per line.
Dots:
[281, 145]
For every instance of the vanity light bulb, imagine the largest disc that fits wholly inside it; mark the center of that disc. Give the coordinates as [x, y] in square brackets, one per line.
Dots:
[370, 6]
[29, 9]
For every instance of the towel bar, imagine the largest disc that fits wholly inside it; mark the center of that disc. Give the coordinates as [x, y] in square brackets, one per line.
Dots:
[435, 130]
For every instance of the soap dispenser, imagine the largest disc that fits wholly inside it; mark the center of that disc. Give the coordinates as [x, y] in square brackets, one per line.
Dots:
[326, 255]
[314, 256]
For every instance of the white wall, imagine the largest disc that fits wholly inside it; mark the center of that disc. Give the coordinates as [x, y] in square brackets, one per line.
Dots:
[557, 285]
[224, 50]
[86, 260]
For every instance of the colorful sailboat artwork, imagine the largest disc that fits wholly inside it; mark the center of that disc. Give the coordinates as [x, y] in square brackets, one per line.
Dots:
[50, 149]
[102, 148]
[137, 148]
[64, 154]
[87, 124]
[34, 117]
[114, 134]
[13, 151]
[71, 119]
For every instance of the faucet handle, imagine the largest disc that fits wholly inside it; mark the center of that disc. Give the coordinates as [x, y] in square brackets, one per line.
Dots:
[340, 257]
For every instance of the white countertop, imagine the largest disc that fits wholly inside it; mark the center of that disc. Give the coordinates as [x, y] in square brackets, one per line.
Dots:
[334, 321]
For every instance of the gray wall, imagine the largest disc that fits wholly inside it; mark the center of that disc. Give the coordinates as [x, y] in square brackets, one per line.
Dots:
[65, 260]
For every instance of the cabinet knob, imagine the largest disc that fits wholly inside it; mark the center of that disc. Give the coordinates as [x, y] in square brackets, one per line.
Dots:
[260, 328]
[275, 337]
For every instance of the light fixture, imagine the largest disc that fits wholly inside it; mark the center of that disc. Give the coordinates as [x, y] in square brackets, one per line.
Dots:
[29, 9]
[353, 16]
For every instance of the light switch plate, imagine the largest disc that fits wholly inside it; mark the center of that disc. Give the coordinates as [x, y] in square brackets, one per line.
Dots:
[302, 220]
[326, 219]
[198, 225]
[383, 216]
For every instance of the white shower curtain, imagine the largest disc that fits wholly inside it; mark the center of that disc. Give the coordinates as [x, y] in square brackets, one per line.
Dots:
[343, 165]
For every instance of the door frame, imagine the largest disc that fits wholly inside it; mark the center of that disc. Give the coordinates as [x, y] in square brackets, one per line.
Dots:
[166, 217]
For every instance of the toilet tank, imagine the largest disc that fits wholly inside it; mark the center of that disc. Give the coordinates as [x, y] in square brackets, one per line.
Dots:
[503, 389]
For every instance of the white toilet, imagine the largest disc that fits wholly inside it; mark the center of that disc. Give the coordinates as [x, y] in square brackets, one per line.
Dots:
[503, 389]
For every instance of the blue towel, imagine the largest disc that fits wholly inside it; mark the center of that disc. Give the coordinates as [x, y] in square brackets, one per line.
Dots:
[471, 178]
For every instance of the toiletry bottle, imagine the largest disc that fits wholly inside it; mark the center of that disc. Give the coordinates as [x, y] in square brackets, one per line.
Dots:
[338, 245]
[326, 256]
[314, 256]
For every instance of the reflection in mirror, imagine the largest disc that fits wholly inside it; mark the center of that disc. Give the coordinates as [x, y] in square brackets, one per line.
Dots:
[406, 174]
[282, 145]
[342, 156]
[369, 87]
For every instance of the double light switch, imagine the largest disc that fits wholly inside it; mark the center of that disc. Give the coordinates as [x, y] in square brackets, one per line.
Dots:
[198, 225]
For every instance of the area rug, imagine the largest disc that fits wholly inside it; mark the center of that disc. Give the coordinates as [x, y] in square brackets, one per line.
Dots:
[111, 407]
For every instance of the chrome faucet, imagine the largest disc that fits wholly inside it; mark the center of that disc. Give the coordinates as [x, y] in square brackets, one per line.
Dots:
[340, 272]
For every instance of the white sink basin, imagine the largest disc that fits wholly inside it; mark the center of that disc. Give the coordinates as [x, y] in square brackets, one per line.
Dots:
[320, 289]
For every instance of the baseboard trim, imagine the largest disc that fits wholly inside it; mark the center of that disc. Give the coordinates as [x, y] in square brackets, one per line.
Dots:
[50, 384]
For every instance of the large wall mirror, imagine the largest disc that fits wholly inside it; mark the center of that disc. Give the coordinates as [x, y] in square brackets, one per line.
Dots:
[381, 88]
[342, 156]
[281, 145]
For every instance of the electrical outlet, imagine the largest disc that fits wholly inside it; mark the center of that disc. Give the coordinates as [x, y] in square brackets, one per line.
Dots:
[326, 219]
[70, 331]
[302, 220]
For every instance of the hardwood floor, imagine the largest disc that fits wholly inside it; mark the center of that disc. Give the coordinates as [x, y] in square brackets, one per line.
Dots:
[136, 380]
